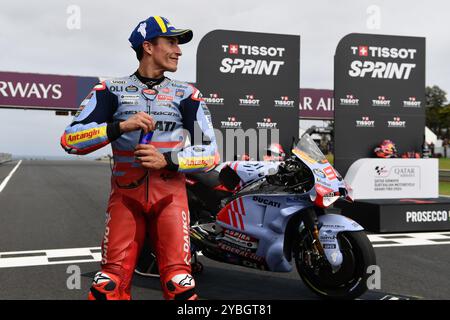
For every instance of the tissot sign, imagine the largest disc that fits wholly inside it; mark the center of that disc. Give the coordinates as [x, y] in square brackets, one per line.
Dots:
[379, 93]
[251, 80]
[29, 90]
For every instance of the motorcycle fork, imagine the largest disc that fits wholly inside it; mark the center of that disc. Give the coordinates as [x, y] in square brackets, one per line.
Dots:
[311, 224]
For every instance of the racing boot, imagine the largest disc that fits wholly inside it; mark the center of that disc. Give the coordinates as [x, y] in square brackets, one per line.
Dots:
[106, 287]
[180, 287]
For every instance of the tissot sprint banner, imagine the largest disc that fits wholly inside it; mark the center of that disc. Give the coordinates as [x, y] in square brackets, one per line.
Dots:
[250, 81]
[379, 92]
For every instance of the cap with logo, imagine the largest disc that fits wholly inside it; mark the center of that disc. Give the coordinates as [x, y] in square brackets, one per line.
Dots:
[157, 26]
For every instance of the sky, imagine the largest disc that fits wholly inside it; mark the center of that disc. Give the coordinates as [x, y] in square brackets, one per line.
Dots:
[90, 38]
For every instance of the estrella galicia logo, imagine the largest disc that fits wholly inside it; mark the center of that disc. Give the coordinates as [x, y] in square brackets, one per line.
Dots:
[179, 93]
[131, 89]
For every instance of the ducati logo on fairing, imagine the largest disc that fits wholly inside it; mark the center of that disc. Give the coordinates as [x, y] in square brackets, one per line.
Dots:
[267, 202]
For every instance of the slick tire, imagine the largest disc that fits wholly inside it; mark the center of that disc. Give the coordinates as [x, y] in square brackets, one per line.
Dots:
[350, 281]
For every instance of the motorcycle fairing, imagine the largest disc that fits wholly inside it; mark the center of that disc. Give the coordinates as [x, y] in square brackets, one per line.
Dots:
[264, 218]
[330, 226]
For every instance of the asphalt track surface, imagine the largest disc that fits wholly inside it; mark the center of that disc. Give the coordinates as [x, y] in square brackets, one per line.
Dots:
[50, 205]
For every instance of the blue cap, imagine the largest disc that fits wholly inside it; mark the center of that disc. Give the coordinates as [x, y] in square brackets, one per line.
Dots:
[157, 26]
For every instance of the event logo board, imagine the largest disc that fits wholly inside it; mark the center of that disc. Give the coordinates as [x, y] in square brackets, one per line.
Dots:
[254, 78]
[379, 93]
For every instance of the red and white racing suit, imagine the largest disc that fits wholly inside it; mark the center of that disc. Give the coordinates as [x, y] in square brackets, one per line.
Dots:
[145, 201]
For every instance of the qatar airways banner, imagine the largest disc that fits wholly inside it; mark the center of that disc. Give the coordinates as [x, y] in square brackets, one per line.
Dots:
[250, 81]
[316, 104]
[379, 93]
[42, 91]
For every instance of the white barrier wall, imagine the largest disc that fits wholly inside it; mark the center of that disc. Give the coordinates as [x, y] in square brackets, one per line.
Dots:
[5, 157]
[394, 178]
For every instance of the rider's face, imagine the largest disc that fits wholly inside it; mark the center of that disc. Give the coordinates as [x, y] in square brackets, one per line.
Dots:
[165, 53]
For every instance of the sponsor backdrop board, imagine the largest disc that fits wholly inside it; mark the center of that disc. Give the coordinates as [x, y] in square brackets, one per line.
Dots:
[379, 92]
[399, 215]
[43, 91]
[251, 81]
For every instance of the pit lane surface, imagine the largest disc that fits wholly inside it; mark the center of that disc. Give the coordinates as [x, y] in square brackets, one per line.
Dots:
[47, 206]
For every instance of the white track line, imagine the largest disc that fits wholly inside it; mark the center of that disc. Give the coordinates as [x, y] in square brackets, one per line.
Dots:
[14, 259]
[3, 185]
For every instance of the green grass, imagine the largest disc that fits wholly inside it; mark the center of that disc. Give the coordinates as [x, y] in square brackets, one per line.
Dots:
[444, 163]
[444, 188]
[330, 158]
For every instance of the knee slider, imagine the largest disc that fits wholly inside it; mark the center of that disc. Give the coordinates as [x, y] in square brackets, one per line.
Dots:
[105, 287]
[182, 287]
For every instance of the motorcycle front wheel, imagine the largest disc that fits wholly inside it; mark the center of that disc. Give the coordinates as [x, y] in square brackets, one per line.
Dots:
[350, 281]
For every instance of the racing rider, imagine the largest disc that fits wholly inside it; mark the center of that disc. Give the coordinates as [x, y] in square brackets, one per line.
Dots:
[147, 184]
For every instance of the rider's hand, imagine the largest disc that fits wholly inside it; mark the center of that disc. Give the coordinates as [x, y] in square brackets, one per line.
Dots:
[140, 120]
[150, 157]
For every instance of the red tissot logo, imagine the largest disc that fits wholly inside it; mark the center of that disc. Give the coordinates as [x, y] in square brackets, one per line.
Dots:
[363, 51]
[233, 49]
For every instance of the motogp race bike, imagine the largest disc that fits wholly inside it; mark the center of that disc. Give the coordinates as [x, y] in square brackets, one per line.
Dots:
[264, 215]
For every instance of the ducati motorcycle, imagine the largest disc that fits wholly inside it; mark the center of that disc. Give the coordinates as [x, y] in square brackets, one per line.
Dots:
[271, 215]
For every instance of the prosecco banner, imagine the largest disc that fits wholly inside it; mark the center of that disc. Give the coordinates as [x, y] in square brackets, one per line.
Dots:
[251, 81]
[379, 93]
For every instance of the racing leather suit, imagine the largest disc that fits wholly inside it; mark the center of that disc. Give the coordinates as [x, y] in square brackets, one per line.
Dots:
[142, 200]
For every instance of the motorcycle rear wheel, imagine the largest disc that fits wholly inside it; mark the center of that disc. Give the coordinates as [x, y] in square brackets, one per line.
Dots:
[350, 281]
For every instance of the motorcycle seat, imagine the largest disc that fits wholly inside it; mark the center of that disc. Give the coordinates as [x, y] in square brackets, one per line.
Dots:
[209, 179]
[226, 177]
